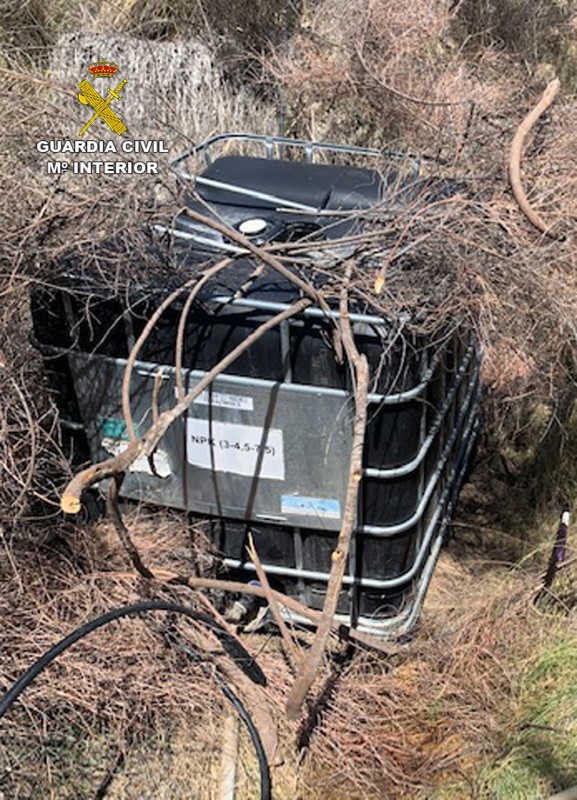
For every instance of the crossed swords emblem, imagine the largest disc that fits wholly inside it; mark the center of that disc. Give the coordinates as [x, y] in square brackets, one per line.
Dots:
[89, 96]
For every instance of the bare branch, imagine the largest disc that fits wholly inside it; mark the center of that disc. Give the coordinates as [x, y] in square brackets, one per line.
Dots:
[121, 529]
[515, 156]
[261, 253]
[70, 501]
[340, 554]
[197, 284]
[291, 649]
[313, 617]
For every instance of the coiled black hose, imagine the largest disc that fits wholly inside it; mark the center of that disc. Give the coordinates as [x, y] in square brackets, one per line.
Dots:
[234, 649]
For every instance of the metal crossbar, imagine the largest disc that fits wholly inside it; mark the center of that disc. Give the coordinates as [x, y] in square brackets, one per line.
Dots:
[277, 146]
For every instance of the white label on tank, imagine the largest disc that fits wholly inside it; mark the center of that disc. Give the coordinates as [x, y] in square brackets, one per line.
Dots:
[240, 449]
[223, 400]
[161, 461]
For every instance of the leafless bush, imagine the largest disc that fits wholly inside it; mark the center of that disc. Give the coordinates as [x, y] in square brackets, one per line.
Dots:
[539, 33]
[395, 76]
[51, 223]
[391, 76]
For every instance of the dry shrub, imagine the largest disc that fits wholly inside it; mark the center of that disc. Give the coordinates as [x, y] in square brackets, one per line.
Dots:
[540, 33]
[390, 75]
[175, 92]
[236, 31]
[121, 689]
[409, 77]
[432, 715]
[437, 714]
[31, 459]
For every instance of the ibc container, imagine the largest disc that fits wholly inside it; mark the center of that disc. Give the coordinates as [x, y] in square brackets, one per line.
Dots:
[266, 448]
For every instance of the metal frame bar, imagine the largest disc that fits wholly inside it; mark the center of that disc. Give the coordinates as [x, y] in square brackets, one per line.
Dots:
[405, 619]
[308, 145]
[319, 313]
[386, 531]
[310, 311]
[372, 583]
[221, 245]
[268, 198]
[410, 466]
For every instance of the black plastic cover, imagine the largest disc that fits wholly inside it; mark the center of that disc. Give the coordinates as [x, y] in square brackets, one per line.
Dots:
[321, 186]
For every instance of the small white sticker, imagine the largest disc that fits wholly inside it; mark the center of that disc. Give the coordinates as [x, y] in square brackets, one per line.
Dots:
[222, 400]
[160, 459]
[231, 447]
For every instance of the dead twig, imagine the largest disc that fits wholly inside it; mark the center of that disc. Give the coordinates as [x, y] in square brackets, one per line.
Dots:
[291, 649]
[260, 253]
[421, 101]
[197, 283]
[70, 501]
[122, 530]
[340, 554]
[27, 481]
[515, 156]
[312, 616]
[21, 76]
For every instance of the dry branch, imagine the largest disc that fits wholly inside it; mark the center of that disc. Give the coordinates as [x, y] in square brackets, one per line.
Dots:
[261, 253]
[516, 152]
[291, 649]
[70, 501]
[197, 283]
[122, 530]
[339, 557]
[163, 576]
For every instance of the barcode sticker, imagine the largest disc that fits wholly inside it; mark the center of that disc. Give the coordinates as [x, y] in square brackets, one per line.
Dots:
[224, 400]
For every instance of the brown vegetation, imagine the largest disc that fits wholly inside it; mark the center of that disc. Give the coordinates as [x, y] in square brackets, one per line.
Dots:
[413, 725]
[448, 81]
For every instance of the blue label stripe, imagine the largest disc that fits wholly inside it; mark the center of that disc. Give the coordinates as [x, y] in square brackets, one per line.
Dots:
[311, 506]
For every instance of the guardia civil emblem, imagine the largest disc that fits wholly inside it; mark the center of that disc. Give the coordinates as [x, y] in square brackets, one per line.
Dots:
[90, 97]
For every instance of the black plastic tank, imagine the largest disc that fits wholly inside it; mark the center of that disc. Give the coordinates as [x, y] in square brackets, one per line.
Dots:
[266, 448]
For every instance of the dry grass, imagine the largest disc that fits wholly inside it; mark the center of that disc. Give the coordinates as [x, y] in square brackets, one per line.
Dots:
[443, 712]
[121, 691]
[450, 711]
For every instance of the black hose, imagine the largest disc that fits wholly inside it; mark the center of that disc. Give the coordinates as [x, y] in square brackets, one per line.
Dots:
[236, 651]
